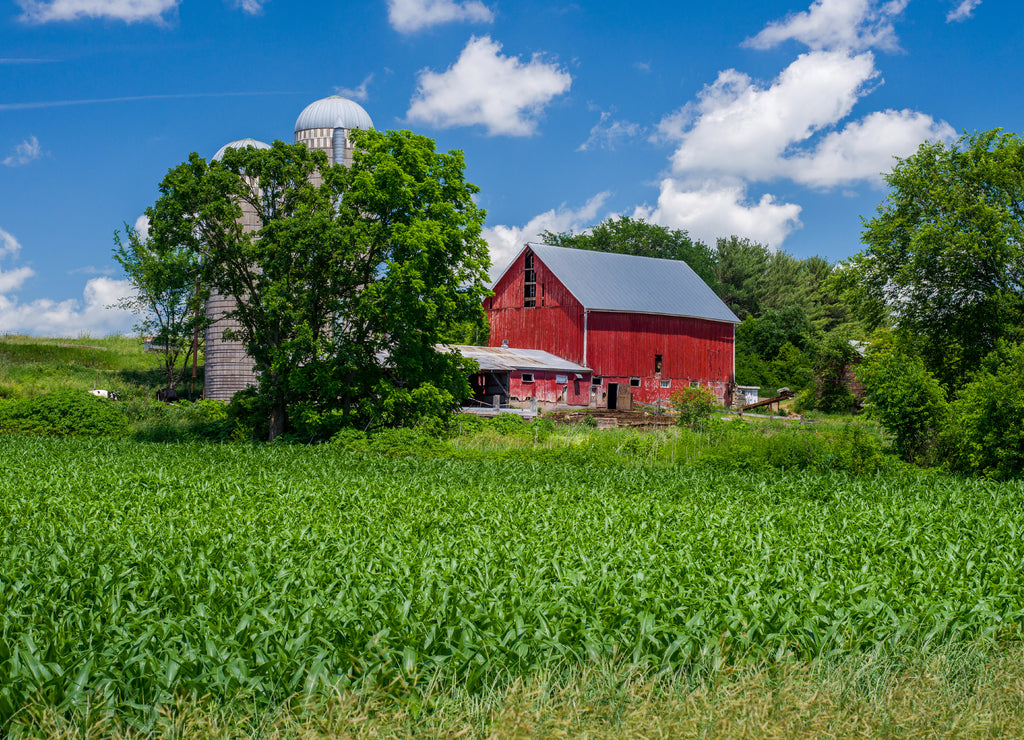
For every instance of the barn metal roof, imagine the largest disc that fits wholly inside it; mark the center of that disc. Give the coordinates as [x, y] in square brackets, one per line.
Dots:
[509, 358]
[603, 281]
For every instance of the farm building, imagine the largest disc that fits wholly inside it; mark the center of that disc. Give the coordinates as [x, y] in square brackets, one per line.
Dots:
[517, 375]
[645, 327]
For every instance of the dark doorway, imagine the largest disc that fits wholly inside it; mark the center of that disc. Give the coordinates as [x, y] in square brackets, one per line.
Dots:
[613, 395]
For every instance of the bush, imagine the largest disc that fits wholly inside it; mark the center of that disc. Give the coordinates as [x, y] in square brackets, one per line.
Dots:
[508, 424]
[693, 406]
[984, 433]
[905, 398]
[64, 413]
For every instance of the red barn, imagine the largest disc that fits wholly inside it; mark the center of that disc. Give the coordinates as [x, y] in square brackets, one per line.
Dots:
[645, 327]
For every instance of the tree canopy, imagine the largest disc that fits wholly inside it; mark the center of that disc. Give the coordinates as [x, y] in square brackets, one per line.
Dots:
[944, 257]
[349, 278]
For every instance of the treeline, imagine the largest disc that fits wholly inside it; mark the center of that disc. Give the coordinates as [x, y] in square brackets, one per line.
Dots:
[927, 320]
[796, 326]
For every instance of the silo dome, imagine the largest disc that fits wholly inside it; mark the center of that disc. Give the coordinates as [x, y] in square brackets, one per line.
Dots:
[239, 144]
[333, 112]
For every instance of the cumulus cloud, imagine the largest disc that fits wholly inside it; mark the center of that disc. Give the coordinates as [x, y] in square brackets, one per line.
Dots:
[356, 93]
[252, 7]
[70, 317]
[608, 133]
[9, 246]
[963, 11]
[142, 226]
[741, 128]
[864, 150]
[710, 210]
[129, 11]
[836, 24]
[409, 16]
[25, 152]
[503, 94]
[506, 241]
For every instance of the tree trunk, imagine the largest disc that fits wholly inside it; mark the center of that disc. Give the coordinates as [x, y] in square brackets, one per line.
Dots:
[277, 417]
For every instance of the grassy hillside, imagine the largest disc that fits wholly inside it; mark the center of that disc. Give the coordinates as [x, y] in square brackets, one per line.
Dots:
[32, 366]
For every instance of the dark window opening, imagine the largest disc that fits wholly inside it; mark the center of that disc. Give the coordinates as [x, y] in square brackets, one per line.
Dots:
[666, 383]
[694, 384]
[527, 377]
[529, 282]
[657, 364]
[528, 262]
[595, 381]
[634, 382]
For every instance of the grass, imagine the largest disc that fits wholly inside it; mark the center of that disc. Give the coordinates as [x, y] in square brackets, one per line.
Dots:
[134, 575]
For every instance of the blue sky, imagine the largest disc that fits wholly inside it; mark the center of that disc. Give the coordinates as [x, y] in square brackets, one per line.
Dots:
[771, 120]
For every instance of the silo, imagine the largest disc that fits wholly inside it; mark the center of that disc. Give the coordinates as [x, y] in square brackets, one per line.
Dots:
[325, 123]
[228, 368]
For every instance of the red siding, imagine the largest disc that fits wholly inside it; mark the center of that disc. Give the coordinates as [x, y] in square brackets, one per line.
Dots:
[621, 346]
[555, 325]
[546, 388]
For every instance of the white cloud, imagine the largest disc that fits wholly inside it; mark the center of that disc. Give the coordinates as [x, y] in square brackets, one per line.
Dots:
[963, 11]
[142, 226]
[506, 241]
[24, 153]
[129, 11]
[9, 246]
[504, 94]
[12, 280]
[836, 24]
[356, 93]
[409, 16]
[71, 317]
[607, 133]
[864, 150]
[252, 7]
[711, 210]
[739, 128]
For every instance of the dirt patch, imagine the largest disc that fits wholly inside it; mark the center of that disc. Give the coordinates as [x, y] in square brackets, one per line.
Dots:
[605, 418]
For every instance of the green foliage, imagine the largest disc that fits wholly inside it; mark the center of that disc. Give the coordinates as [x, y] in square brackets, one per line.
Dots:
[63, 413]
[181, 421]
[945, 252]
[833, 365]
[906, 398]
[985, 430]
[624, 235]
[506, 424]
[168, 297]
[693, 406]
[351, 280]
[135, 574]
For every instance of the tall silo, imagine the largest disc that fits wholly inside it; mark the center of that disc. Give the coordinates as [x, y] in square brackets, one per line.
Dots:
[228, 368]
[325, 123]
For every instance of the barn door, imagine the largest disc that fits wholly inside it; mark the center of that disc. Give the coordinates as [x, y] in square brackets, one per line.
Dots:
[613, 395]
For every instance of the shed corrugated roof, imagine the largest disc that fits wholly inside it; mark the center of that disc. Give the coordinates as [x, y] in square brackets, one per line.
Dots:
[603, 281]
[512, 358]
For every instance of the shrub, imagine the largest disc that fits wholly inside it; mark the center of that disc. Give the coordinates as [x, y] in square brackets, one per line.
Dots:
[693, 406]
[508, 424]
[905, 398]
[984, 433]
[64, 413]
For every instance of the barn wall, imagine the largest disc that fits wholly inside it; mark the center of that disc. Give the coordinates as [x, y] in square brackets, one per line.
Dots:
[546, 388]
[621, 346]
[554, 325]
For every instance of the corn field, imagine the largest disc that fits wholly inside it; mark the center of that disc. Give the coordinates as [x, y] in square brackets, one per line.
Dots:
[131, 573]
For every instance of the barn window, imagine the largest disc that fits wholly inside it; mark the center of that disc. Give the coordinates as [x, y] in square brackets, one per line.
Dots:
[694, 384]
[634, 382]
[562, 379]
[666, 384]
[657, 364]
[595, 380]
[527, 377]
[529, 282]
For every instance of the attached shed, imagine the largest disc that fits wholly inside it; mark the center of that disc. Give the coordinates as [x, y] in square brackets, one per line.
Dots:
[644, 326]
[520, 375]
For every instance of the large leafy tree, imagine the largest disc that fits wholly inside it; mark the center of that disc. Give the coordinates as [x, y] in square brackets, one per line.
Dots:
[351, 277]
[167, 297]
[944, 261]
[625, 235]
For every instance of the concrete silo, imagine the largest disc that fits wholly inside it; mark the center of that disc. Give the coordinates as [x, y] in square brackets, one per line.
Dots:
[228, 368]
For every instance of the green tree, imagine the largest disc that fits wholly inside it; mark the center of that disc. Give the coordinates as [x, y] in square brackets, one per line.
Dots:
[167, 297]
[985, 429]
[945, 252]
[906, 399]
[350, 280]
[625, 235]
[740, 270]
